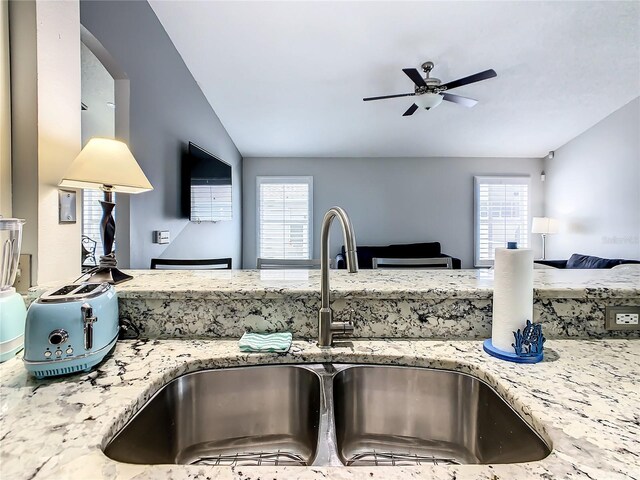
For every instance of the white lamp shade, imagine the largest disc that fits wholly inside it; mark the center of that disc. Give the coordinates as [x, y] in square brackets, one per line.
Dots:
[427, 100]
[544, 225]
[106, 162]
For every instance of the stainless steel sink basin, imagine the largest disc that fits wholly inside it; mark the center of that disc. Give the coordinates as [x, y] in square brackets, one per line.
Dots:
[388, 415]
[326, 415]
[251, 415]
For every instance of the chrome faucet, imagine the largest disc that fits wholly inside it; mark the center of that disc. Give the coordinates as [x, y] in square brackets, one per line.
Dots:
[327, 328]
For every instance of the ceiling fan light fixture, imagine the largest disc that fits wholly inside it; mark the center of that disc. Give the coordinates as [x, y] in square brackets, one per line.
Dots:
[428, 100]
[429, 92]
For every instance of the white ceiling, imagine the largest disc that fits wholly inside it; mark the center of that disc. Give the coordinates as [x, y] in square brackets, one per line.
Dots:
[288, 78]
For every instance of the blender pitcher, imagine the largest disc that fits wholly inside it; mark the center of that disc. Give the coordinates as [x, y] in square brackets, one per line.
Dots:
[12, 308]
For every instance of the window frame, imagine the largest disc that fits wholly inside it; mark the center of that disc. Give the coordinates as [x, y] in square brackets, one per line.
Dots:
[286, 179]
[496, 180]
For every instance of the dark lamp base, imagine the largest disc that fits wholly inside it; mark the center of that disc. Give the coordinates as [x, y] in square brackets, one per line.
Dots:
[108, 274]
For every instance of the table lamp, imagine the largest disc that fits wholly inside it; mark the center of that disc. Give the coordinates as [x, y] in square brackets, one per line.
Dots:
[544, 226]
[107, 165]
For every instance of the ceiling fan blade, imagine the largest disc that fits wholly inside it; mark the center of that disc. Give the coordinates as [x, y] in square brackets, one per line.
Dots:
[389, 96]
[471, 79]
[415, 76]
[467, 102]
[410, 110]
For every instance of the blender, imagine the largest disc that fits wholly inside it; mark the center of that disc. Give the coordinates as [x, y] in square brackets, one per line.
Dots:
[12, 307]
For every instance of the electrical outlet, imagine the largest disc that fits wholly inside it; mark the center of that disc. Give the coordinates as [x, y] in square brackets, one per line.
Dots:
[622, 318]
[626, 319]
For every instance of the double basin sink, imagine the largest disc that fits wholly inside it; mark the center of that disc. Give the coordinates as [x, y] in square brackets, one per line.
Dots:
[326, 414]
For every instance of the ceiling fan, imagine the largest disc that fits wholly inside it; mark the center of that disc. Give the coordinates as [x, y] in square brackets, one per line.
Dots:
[429, 92]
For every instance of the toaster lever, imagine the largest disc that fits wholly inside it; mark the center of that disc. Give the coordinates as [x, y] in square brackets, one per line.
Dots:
[88, 320]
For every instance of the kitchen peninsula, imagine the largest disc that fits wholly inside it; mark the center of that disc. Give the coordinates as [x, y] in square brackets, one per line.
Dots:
[582, 399]
[451, 304]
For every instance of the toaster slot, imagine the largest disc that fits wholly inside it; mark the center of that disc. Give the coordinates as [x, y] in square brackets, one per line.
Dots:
[64, 290]
[88, 288]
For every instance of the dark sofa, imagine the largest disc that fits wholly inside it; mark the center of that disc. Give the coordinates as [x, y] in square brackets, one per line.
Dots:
[408, 250]
[578, 260]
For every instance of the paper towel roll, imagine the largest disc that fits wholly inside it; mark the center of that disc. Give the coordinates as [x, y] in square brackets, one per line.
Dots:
[512, 295]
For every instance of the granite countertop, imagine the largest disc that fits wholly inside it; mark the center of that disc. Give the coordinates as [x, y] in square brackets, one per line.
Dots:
[583, 399]
[388, 284]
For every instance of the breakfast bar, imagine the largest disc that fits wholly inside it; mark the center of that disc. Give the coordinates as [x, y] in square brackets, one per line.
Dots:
[581, 400]
[452, 304]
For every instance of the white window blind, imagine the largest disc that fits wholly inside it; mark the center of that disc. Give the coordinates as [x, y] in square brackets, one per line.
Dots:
[285, 206]
[210, 203]
[501, 215]
[91, 216]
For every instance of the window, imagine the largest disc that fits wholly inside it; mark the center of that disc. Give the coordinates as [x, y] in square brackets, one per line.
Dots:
[285, 207]
[501, 215]
[210, 203]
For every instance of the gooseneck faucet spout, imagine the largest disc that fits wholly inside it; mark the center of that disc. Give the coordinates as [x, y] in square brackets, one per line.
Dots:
[327, 328]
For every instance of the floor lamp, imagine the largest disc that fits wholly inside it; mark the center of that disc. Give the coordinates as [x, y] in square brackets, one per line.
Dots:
[544, 226]
[107, 165]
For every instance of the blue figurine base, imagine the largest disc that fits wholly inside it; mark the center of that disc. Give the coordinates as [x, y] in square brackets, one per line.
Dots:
[510, 357]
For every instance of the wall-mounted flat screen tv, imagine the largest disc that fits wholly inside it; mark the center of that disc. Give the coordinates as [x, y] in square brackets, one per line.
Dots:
[209, 182]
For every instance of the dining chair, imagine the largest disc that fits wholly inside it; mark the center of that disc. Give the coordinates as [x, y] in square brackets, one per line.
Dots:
[282, 263]
[191, 264]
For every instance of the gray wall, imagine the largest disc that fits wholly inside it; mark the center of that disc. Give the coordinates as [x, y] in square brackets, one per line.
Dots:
[593, 189]
[167, 109]
[24, 122]
[391, 200]
[98, 88]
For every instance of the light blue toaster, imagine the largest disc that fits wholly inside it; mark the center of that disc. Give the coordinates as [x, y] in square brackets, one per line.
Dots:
[70, 329]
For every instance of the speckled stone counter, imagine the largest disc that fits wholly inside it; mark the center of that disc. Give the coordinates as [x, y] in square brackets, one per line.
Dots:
[583, 400]
[387, 303]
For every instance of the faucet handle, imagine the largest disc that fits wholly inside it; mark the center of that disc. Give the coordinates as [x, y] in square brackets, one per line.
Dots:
[344, 329]
[347, 316]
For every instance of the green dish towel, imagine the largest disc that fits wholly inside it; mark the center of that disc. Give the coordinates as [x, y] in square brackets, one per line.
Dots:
[265, 342]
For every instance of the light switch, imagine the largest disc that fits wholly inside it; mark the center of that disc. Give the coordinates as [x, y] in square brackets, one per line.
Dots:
[67, 206]
[161, 236]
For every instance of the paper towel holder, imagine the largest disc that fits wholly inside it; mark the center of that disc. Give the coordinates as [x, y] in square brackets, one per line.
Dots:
[528, 346]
